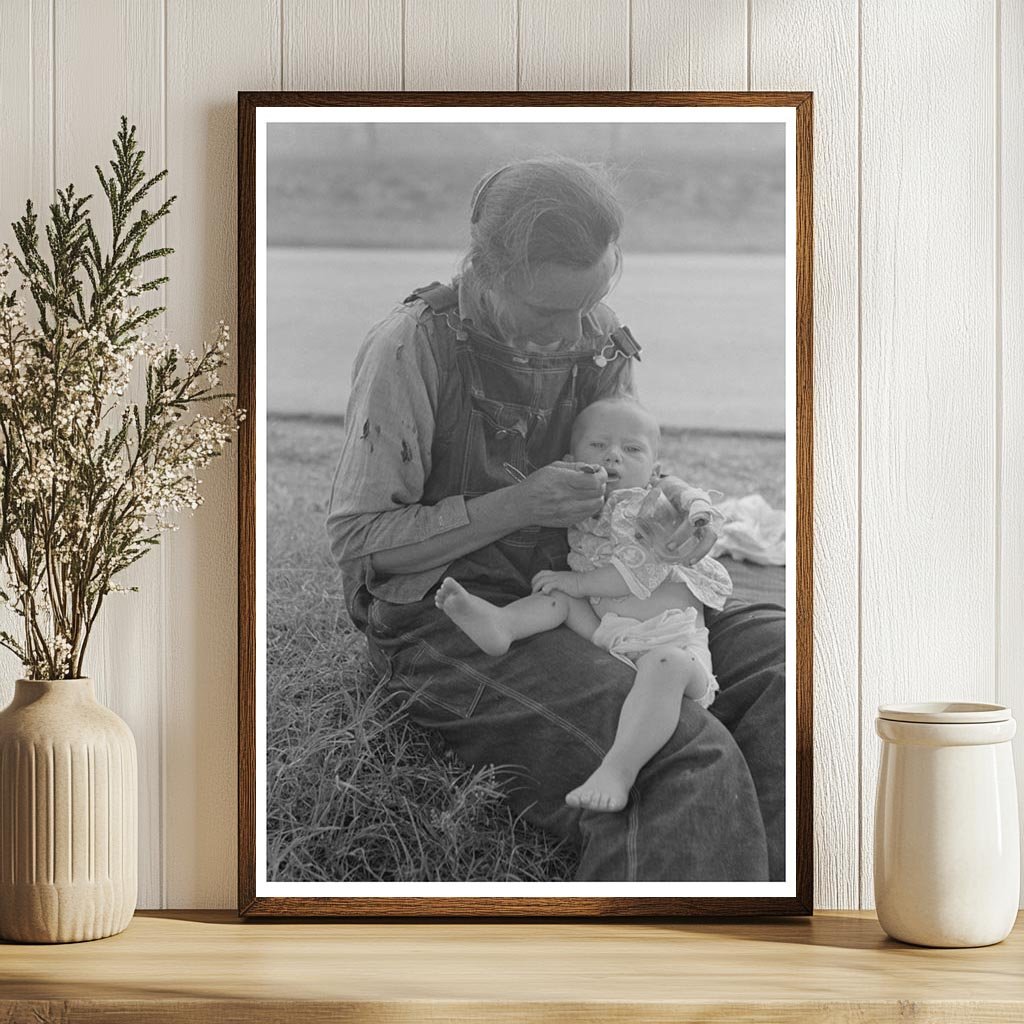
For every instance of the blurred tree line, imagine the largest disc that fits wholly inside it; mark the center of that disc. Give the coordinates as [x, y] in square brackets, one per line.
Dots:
[685, 187]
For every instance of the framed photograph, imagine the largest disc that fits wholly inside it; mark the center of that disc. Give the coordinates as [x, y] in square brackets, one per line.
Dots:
[525, 504]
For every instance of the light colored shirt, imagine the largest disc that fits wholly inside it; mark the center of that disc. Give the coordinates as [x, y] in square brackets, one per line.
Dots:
[386, 459]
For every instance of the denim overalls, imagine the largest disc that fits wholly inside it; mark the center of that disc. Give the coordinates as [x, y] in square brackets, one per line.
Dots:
[550, 705]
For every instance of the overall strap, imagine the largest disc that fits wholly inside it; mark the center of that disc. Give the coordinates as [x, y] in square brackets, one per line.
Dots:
[442, 302]
[440, 298]
[623, 340]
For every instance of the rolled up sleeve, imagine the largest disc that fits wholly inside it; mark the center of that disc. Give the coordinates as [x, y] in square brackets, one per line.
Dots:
[386, 456]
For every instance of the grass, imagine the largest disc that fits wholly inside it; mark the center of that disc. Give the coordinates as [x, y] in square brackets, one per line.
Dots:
[355, 791]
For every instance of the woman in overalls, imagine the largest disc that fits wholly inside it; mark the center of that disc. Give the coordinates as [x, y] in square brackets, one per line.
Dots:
[460, 410]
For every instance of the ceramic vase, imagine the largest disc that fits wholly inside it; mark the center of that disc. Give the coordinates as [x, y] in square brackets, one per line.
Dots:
[947, 847]
[68, 815]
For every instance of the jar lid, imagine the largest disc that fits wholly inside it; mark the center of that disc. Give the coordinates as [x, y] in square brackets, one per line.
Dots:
[945, 712]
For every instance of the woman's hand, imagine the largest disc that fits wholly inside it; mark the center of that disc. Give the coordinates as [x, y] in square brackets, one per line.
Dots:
[689, 544]
[561, 494]
[548, 580]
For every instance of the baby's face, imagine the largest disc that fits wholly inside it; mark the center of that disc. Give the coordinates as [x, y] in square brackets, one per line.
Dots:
[619, 438]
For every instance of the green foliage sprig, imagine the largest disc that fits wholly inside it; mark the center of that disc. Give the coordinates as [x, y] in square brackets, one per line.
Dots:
[88, 477]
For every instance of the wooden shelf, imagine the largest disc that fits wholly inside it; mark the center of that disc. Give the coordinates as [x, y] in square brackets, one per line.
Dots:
[197, 966]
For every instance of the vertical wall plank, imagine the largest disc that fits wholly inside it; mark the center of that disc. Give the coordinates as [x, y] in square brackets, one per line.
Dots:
[26, 70]
[26, 171]
[690, 44]
[343, 44]
[574, 44]
[1010, 683]
[213, 50]
[122, 657]
[814, 46]
[928, 520]
[468, 45]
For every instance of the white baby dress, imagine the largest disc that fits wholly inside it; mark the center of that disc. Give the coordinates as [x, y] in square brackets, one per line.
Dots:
[610, 538]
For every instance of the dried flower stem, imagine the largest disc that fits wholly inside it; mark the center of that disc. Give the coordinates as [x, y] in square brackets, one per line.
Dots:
[88, 478]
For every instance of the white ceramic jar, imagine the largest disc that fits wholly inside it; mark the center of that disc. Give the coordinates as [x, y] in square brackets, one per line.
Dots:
[947, 847]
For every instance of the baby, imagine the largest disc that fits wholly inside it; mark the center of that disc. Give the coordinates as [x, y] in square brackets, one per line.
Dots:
[646, 612]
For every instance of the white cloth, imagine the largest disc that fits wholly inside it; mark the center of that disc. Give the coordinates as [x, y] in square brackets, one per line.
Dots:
[609, 538]
[752, 531]
[626, 639]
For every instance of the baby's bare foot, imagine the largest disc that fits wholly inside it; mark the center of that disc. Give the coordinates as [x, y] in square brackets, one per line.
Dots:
[606, 790]
[480, 621]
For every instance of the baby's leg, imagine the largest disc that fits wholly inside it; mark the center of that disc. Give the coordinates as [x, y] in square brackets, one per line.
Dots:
[580, 617]
[493, 628]
[664, 675]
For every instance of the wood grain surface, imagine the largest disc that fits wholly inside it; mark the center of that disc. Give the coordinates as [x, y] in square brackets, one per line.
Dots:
[208, 966]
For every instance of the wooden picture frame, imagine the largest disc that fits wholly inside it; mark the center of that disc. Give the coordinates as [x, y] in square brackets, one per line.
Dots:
[260, 897]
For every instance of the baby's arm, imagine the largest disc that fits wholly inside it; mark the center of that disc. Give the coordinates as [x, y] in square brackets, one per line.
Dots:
[603, 582]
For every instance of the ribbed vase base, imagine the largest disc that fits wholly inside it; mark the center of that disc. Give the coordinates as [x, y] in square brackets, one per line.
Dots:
[63, 913]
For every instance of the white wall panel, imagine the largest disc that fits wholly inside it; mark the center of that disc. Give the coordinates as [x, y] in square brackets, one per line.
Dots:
[342, 44]
[26, 102]
[928, 415]
[213, 51]
[689, 44]
[1010, 313]
[128, 667]
[469, 44]
[814, 46]
[26, 167]
[574, 44]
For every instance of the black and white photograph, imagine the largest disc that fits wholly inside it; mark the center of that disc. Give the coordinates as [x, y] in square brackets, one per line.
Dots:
[525, 466]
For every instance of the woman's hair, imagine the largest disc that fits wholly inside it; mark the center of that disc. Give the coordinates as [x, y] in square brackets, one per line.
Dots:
[542, 210]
